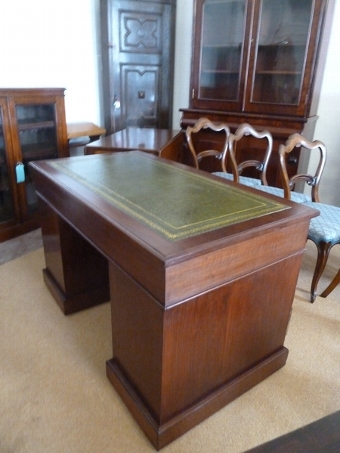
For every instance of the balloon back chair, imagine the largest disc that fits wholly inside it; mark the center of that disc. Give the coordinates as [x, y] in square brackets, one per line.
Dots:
[246, 130]
[324, 230]
[213, 144]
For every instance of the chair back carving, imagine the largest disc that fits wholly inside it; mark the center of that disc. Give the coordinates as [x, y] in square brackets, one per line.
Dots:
[199, 155]
[243, 130]
[297, 140]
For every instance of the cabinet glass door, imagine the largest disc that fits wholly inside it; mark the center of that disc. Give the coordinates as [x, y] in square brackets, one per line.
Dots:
[6, 194]
[220, 42]
[38, 140]
[280, 53]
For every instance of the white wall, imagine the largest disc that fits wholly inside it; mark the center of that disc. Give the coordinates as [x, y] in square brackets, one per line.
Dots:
[328, 124]
[52, 43]
[184, 21]
[56, 43]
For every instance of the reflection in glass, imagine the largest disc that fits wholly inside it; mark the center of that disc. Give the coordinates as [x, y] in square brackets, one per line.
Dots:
[281, 50]
[38, 140]
[223, 25]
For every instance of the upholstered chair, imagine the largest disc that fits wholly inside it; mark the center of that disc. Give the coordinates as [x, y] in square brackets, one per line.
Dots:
[217, 139]
[246, 130]
[324, 230]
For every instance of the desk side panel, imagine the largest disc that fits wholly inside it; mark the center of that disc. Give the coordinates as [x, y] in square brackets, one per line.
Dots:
[232, 261]
[174, 367]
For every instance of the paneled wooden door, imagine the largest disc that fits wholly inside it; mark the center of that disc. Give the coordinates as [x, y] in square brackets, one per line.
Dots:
[138, 60]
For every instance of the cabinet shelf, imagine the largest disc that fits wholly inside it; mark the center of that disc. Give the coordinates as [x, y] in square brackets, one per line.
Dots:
[219, 71]
[38, 151]
[34, 125]
[283, 44]
[279, 73]
[222, 46]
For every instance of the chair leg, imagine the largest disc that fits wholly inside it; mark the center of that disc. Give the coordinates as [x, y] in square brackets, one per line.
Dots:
[323, 252]
[334, 283]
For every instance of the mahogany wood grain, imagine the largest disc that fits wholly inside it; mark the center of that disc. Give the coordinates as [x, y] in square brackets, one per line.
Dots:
[76, 273]
[197, 321]
[167, 143]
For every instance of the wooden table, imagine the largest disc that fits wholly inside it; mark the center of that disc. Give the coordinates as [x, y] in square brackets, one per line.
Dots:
[167, 143]
[202, 275]
[80, 134]
[84, 129]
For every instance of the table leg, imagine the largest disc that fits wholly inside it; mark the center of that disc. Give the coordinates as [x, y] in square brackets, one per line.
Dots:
[334, 283]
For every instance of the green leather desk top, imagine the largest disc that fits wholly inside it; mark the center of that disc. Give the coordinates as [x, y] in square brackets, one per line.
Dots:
[171, 200]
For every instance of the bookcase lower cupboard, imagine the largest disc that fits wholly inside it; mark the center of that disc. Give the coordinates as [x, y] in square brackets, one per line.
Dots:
[32, 127]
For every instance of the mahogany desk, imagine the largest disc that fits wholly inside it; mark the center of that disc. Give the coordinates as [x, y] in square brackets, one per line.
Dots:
[167, 143]
[202, 276]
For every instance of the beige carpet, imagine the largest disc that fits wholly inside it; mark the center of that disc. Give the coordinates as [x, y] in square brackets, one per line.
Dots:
[55, 397]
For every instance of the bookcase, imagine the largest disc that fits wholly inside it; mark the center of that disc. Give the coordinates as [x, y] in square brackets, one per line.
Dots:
[261, 62]
[32, 127]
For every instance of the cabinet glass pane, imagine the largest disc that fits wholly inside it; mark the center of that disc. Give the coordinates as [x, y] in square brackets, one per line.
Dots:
[38, 140]
[6, 202]
[223, 25]
[281, 51]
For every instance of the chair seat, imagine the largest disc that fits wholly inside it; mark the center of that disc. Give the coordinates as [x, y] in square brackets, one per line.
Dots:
[294, 196]
[252, 182]
[325, 227]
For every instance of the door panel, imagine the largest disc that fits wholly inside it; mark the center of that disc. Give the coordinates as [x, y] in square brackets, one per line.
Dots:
[139, 104]
[138, 46]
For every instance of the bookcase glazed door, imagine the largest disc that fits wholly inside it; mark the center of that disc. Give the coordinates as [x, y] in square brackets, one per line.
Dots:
[219, 60]
[283, 55]
[8, 196]
[37, 135]
[138, 60]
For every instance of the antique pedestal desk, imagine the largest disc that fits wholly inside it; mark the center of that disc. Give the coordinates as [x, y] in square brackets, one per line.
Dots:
[201, 274]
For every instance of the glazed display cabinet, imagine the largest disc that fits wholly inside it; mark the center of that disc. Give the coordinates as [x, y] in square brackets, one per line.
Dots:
[261, 62]
[32, 127]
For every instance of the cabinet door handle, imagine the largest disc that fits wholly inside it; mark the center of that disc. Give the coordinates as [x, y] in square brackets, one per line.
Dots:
[116, 102]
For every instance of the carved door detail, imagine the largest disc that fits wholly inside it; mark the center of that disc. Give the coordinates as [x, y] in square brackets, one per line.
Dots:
[138, 72]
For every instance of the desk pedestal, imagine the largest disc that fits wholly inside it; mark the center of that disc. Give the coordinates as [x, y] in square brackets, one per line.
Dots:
[76, 273]
[175, 367]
